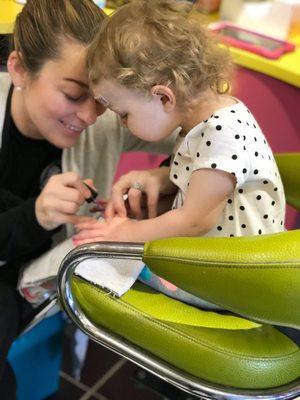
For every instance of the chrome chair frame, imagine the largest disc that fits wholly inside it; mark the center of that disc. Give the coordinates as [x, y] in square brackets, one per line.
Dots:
[186, 382]
[44, 310]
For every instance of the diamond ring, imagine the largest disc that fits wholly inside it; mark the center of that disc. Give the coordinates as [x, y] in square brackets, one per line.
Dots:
[138, 186]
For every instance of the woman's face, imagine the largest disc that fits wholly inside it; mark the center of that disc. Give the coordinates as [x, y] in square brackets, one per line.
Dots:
[57, 104]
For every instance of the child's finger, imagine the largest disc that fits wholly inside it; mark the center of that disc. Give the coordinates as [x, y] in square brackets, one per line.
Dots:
[88, 224]
[78, 242]
[111, 211]
[89, 233]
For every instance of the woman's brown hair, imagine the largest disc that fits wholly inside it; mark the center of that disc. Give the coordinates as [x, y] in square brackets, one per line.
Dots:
[42, 24]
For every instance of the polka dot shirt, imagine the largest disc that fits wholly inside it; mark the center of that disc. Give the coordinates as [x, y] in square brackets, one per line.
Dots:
[232, 141]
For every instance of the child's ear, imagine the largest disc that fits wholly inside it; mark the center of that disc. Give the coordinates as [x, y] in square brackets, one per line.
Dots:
[16, 70]
[166, 96]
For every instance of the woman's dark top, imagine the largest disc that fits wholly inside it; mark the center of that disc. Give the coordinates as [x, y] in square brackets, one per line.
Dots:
[23, 167]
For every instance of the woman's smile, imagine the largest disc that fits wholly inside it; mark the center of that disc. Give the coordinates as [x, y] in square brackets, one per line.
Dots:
[74, 129]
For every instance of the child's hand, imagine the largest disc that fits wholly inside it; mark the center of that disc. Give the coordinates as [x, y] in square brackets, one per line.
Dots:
[115, 229]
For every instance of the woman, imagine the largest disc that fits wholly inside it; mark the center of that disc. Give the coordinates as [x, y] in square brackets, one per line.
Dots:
[46, 106]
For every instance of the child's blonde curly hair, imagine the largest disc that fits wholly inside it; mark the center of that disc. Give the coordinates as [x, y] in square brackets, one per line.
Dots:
[159, 42]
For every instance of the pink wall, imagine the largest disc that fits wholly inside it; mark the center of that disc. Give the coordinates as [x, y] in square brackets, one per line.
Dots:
[137, 161]
[276, 106]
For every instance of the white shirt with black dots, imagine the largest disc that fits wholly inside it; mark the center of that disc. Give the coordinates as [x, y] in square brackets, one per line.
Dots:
[232, 141]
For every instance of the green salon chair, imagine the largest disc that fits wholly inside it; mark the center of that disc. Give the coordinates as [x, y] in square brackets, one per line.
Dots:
[238, 354]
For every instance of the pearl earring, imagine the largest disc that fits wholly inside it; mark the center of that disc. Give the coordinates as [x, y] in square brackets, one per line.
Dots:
[18, 88]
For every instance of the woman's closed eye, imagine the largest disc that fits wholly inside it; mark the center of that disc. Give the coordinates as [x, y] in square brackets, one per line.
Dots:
[75, 99]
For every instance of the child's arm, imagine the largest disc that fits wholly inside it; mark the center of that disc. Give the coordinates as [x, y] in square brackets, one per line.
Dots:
[203, 205]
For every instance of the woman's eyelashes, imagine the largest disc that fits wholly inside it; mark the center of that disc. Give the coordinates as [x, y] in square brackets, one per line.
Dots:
[75, 99]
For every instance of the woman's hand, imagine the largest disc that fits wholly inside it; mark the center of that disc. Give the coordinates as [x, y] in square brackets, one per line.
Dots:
[152, 183]
[60, 200]
[115, 229]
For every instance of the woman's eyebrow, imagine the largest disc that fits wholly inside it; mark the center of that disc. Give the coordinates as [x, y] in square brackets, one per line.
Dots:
[80, 83]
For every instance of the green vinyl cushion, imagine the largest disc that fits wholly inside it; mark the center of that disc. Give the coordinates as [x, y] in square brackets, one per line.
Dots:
[250, 358]
[289, 168]
[254, 276]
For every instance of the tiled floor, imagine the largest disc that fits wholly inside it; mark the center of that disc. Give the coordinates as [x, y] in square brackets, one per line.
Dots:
[106, 376]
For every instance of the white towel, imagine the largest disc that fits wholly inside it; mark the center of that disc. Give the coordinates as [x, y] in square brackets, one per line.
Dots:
[116, 276]
[38, 278]
[46, 266]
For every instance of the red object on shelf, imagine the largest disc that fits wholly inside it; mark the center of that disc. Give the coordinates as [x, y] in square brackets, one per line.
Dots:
[263, 45]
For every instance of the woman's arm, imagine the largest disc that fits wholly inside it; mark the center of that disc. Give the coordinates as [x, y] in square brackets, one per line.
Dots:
[26, 226]
[20, 233]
